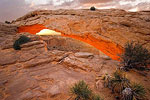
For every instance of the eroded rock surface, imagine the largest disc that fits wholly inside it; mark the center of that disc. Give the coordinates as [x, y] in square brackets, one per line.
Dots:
[68, 44]
[34, 72]
[107, 30]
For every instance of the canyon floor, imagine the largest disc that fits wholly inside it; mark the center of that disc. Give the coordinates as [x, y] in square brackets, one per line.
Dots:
[46, 67]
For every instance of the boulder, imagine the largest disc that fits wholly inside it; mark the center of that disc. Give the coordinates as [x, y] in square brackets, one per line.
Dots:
[83, 54]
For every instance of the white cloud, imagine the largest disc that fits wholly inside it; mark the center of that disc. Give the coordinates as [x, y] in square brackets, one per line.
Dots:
[12, 9]
[43, 2]
[37, 2]
[133, 2]
[60, 2]
[131, 5]
[134, 5]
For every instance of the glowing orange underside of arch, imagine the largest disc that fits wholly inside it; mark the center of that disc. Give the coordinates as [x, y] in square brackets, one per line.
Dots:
[109, 48]
[33, 29]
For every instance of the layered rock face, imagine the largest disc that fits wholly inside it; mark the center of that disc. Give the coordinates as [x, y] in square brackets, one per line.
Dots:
[68, 44]
[37, 73]
[107, 30]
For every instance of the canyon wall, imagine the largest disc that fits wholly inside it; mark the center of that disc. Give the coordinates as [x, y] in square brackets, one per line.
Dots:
[107, 30]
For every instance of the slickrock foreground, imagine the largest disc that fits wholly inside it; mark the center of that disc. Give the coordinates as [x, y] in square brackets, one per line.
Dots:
[41, 72]
[34, 72]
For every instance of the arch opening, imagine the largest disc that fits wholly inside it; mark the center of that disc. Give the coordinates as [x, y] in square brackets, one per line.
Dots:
[48, 32]
[109, 48]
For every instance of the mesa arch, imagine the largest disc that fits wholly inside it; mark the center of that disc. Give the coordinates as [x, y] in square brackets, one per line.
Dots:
[107, 47]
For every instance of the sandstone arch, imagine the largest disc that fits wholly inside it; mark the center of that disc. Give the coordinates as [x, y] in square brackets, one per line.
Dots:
[108, 30]
[109, 48]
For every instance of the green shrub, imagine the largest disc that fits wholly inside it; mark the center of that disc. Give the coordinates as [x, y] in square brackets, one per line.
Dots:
[119, 82]
[7, 22]
[93, 8]
[81, 90]
[138, 91]
[135, 56]
[96, 97]
[23, 39]
[107, 81]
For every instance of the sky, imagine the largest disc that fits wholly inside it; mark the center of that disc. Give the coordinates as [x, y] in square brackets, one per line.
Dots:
[12, 9]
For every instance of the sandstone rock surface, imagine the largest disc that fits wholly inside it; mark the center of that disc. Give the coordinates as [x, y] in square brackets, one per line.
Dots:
[68, 44]
[36, 73]
[108, 30]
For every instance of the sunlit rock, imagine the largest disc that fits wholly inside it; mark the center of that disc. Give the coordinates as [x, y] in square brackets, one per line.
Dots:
[48, 32]
[107, 30]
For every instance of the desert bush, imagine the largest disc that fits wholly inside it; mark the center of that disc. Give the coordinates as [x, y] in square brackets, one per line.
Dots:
[119, 82]
[96, 97]
[93, 8]
[139, 91]
[107, 81]
[23, 39]
[135, 56]
[7, 22]
[81, 90]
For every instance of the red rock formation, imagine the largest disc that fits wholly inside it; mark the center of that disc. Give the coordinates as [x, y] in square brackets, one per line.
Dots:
[34, 73]
[33, 29]
[109, 48]
[108, 30]
[114, 25]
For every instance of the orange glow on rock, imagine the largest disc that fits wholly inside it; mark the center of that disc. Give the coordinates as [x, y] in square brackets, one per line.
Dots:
[33, 29]
[109, 48]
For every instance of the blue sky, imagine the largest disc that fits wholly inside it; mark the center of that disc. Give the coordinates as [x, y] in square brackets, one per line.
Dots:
[12, 9]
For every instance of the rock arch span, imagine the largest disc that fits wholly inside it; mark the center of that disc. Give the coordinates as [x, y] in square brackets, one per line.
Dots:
[107, 47]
